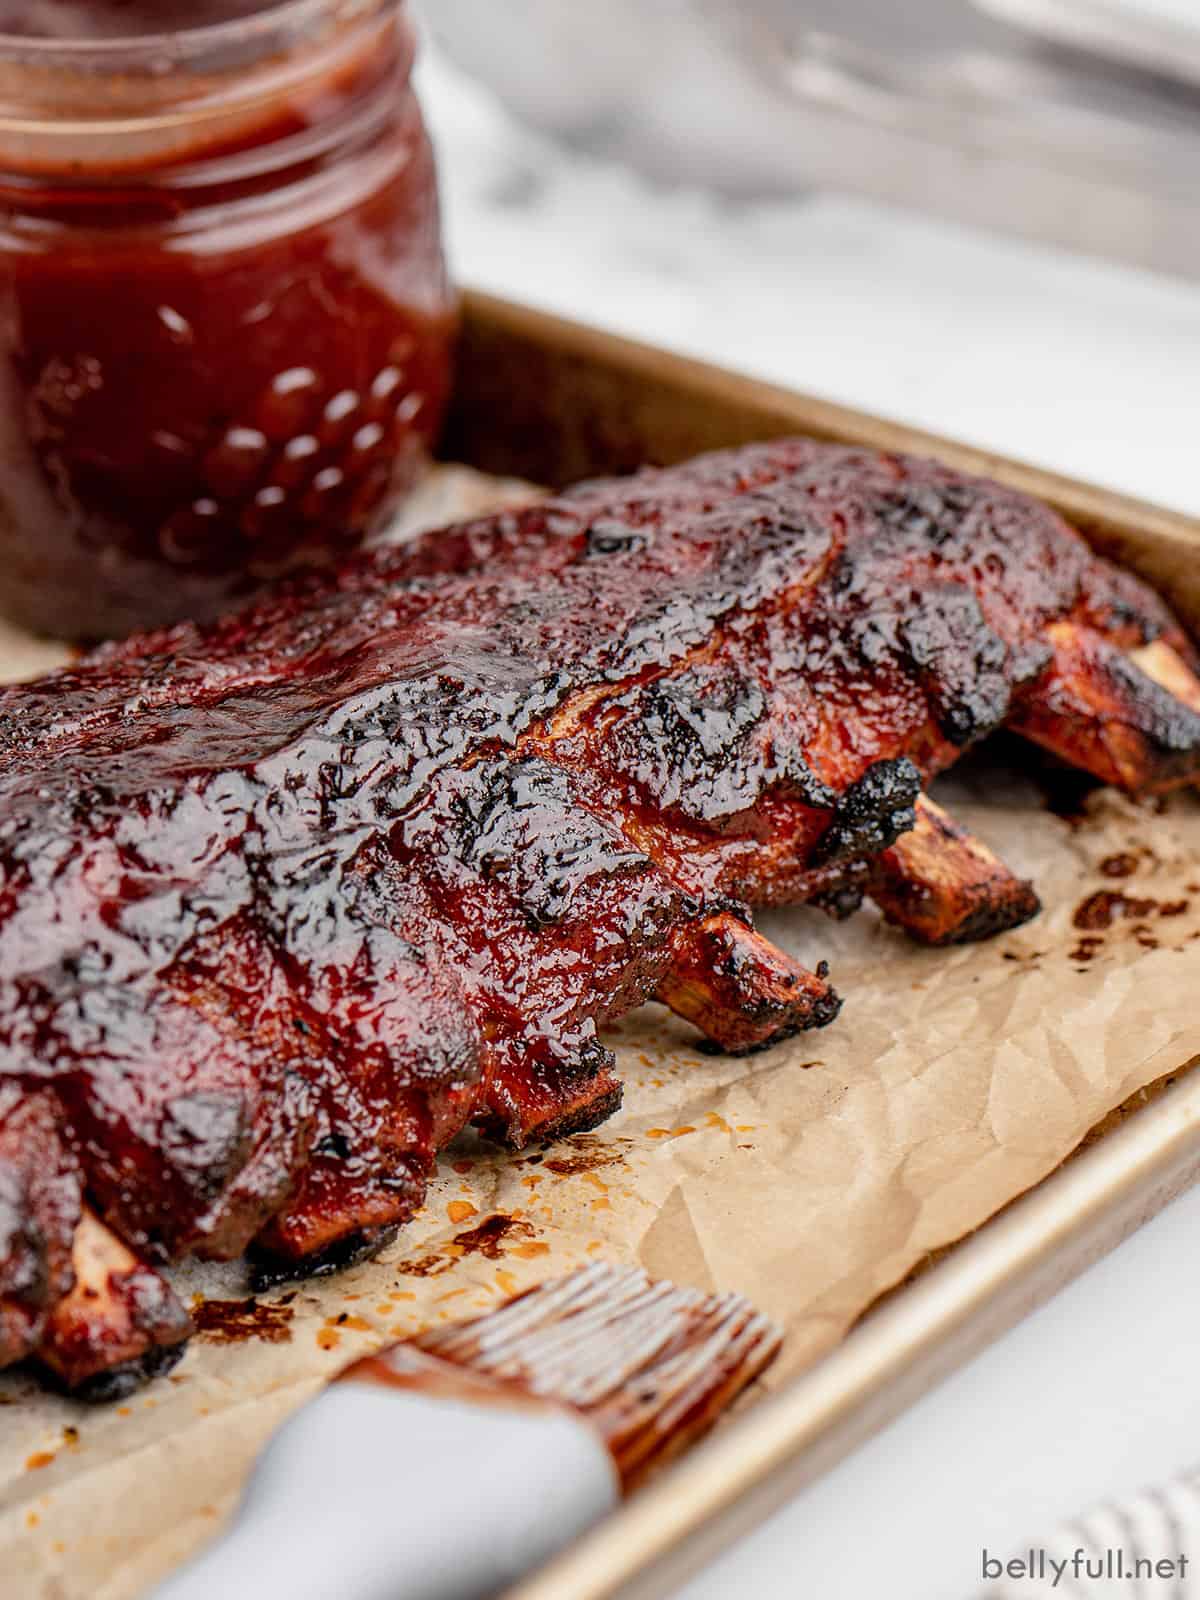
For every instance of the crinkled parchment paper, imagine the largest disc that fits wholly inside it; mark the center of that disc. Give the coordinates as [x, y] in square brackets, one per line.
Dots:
[812, 1177]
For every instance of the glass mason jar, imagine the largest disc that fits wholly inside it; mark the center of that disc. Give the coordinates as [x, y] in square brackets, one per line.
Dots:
[225, 322]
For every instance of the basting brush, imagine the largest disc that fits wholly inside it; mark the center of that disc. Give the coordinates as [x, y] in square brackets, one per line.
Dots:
[446, 1466]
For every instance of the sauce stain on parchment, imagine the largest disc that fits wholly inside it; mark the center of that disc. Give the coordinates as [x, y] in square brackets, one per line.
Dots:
[581, 1152]
[490, 1236]
[1102, 909]
[488, 1239]
[1100, 912]
[584, 1159]
[231, 1321]
[1088, 948]
[425, 1266]
[1106, 906]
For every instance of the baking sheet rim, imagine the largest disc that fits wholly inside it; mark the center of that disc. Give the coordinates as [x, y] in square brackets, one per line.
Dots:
[901, 1349]
[986, 1283]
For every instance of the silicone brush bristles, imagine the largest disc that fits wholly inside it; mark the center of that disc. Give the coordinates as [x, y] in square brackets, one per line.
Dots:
[648, 1365]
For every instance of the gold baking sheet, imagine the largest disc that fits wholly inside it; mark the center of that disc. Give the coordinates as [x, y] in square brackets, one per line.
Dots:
[593, 403]
[953, 1082]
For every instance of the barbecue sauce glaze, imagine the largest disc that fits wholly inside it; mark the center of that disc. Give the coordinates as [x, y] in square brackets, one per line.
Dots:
[287, 900]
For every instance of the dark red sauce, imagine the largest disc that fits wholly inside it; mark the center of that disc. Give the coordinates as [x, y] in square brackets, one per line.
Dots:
[229, 1321]
[222, 360]
[116, 19]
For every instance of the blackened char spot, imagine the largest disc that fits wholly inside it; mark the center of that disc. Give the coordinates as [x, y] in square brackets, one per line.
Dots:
[119, 1382]
[268, 1271]
[928, 513]
[843, 901]
[873, 813]
[1170, 725]
[825, 1010]
[965, 669]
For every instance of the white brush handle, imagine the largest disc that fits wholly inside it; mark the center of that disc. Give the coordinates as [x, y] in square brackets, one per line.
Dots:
[371, 1493]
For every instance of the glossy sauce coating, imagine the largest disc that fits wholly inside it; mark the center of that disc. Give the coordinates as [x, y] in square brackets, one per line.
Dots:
[287, 900]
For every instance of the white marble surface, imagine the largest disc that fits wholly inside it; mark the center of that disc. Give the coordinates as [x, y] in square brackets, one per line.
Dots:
[1083, 367]
[1090, 368]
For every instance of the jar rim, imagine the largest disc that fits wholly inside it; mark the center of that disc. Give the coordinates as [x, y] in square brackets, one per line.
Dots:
[159, 98]
[188, 47]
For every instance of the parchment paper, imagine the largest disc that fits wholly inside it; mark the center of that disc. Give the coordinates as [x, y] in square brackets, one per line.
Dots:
[813, 1177]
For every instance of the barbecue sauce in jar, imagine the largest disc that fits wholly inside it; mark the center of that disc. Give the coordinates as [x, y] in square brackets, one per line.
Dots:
[225, 322]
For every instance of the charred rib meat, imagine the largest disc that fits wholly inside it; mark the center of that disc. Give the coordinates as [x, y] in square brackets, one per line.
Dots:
[288, 900]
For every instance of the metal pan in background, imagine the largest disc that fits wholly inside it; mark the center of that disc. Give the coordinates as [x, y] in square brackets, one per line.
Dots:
[952, 108]
[552, 401]
[1161, 35]
[945, 106]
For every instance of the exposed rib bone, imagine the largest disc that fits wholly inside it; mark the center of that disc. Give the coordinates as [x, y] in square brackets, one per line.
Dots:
[287, 901]
[739, 990]
[1101, 709]
[1163, 663]
[120, 1323]
[545, 1088]
[943, 886]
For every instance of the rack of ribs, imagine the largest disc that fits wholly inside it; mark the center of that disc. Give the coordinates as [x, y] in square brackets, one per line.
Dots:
[288, 900]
